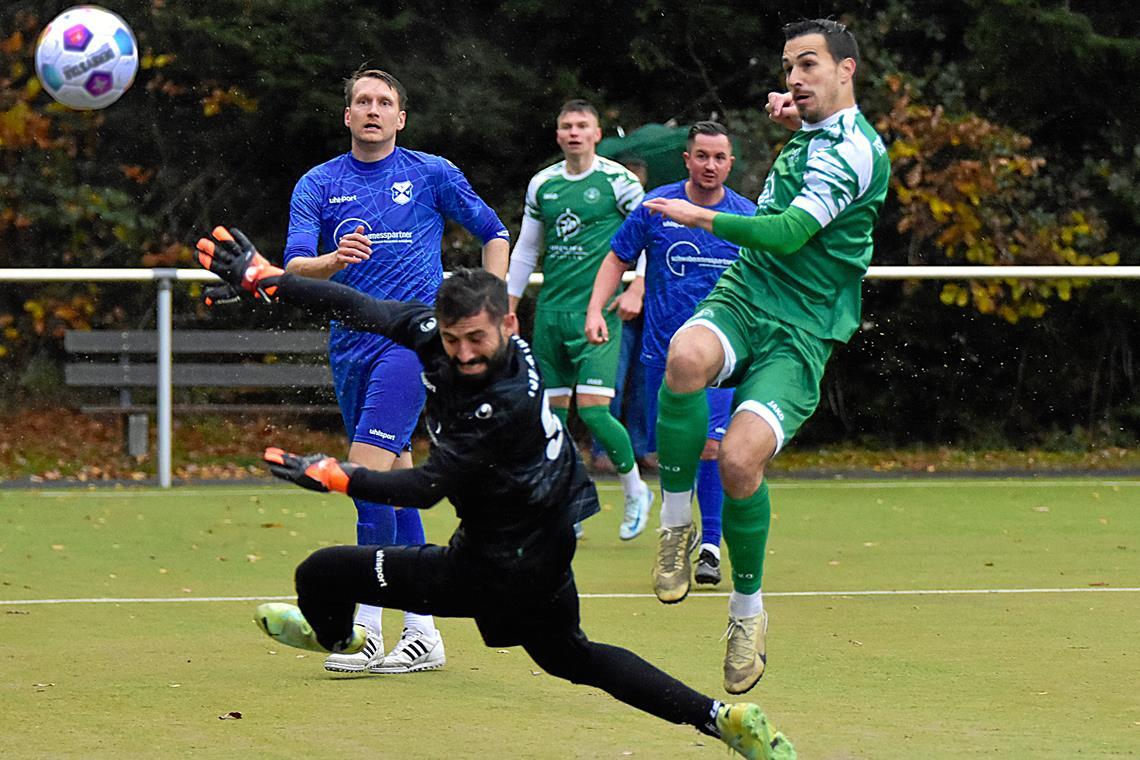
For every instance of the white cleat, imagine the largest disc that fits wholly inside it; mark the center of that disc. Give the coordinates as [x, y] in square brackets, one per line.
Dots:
[357, 662]
[415, 651]
[636, 513]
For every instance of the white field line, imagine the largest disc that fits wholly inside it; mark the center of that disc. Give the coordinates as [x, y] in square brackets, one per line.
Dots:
[699, 595]
[791, 484]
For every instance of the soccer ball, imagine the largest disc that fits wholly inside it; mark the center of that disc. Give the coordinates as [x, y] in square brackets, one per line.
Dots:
[86, 58]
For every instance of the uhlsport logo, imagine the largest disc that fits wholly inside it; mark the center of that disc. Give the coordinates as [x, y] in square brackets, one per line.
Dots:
[567, 224]
[402, 192]
[341, 199]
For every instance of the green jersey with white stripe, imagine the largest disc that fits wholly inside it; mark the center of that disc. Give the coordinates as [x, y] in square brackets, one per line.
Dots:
[580, 214]
[837, 171]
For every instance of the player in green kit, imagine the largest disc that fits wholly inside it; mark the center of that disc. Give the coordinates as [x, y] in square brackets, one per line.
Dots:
[770, 324]
[572, 210]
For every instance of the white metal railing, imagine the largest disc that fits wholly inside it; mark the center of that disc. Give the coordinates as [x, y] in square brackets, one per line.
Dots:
[164, 279]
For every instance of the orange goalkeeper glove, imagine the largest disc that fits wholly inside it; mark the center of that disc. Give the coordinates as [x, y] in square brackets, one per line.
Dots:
[317, 472]
[231, 256]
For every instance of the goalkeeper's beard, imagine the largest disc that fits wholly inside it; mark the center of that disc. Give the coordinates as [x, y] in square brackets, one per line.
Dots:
[491, 364]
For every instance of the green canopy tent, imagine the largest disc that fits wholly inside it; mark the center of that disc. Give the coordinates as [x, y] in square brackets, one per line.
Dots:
[659, 146]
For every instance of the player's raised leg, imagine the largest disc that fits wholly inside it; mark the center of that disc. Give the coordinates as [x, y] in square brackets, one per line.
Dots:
[694, 362]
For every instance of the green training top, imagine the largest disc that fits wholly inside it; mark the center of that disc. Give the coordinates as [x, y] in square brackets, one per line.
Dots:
[580, 214]
[828, 185]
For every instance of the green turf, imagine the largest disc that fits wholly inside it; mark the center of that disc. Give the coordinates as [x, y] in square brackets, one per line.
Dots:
[1041, 675]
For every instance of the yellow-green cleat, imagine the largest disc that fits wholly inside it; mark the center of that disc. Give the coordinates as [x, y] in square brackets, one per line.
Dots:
[285, 623]
[745, 728]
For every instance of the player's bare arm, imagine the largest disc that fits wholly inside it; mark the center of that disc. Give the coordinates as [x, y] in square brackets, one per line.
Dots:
[352, 248]
[496, 254]
[605, 283]
[631, 300]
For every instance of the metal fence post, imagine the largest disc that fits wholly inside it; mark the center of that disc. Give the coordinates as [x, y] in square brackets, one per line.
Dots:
[164, 315]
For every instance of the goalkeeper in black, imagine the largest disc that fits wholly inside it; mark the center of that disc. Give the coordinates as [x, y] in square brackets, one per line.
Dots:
[511, 472]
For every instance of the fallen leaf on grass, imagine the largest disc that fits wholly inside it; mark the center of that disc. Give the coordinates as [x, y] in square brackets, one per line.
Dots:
[42, 686]
[57, 547]
[272, 525]
[1041, 509]
[231, 715]
[16, 612]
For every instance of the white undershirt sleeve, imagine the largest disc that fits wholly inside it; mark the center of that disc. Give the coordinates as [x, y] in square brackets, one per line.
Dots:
[524, 258]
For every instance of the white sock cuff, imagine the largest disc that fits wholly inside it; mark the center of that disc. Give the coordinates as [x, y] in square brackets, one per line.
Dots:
[745, 605]
[369, 617]
[710, 547]
[631, 481]
[421, 623]
[676, 509]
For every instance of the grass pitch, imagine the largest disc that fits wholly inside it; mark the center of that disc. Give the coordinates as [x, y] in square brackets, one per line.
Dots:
[1006, 627]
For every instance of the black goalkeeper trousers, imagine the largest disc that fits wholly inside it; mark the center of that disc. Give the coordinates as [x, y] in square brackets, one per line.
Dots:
[507, 608]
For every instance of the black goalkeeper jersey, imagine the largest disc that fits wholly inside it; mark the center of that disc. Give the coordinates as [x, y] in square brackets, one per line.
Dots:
[498, 453]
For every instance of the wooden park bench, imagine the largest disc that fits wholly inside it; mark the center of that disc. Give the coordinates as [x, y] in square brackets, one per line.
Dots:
[240, 361]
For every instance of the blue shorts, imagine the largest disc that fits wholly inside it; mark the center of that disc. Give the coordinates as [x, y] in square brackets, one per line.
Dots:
[720, 405]
[378, 387]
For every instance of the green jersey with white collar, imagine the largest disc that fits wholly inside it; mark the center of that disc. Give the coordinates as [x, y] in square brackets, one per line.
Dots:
[579, 214]
[836, 172]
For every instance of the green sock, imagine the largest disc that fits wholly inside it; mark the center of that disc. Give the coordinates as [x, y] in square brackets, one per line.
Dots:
[563, 415]
[682, 426]
[610, 434]
[745, 525]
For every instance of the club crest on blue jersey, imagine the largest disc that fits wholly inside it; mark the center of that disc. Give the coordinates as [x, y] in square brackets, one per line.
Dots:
[402, 192]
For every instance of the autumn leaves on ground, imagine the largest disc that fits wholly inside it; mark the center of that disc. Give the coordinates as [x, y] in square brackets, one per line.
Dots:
[62, 445]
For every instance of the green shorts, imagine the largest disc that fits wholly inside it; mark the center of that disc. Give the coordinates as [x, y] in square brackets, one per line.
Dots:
[775, 367]
[569, 362]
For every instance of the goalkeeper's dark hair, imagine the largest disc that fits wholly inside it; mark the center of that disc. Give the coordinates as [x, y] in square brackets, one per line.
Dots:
[469, 291]
[840, 41]
[383, 76]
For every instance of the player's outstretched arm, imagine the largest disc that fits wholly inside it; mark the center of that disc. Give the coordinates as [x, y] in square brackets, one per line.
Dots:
[229, 254]
[682, 212]
[416, 488]
[782, 233]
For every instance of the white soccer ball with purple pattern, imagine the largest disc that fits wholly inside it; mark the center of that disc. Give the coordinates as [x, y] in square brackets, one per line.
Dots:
[86, 58]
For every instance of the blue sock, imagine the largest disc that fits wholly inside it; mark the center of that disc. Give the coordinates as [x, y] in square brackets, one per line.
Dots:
[375, 524]
[409, 527]
[710, 498]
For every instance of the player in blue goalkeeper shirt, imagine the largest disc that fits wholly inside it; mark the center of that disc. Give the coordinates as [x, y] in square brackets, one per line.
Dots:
[682, 266]
[373, 219]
